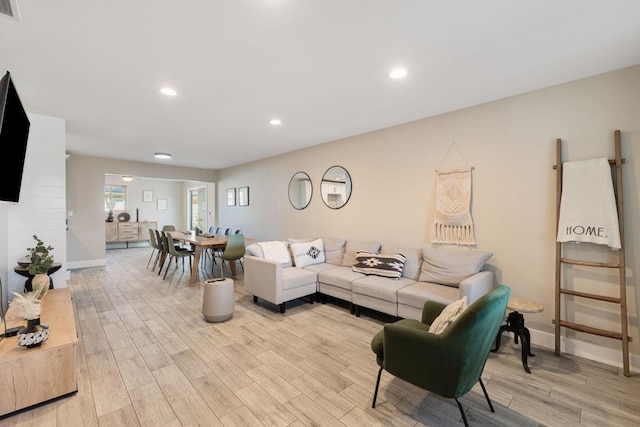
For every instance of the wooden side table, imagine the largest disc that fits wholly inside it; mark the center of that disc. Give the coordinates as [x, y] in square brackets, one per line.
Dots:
[515, 324]
[36, 375]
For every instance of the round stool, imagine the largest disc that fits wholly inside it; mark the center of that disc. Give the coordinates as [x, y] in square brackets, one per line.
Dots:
[217, 301]
[515, 324]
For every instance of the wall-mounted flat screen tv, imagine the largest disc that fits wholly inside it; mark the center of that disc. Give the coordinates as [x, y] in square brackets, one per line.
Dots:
[14, 133]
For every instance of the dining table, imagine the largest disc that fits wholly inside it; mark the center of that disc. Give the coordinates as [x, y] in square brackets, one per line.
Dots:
[201, 242]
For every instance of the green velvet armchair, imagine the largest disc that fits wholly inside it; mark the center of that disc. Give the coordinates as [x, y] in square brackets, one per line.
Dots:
[448, 364]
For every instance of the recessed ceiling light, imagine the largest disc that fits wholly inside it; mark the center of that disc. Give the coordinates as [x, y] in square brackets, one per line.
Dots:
[275, 122]
[168, 91]
[398, 73]
[162, 156]
[127, 178]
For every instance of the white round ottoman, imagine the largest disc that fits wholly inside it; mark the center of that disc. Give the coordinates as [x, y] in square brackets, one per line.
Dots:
[217, 301]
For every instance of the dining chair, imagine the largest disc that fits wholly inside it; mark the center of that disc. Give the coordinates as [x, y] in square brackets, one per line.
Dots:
[154, 244]
[218, 252]
[239, 231]
[168, 228]
[212, 230]
[161, 255]
[233, 251]
[175, 253]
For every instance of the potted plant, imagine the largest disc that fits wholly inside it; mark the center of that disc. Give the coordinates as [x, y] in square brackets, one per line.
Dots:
[28, 304]
[41, 260]
[110, 204]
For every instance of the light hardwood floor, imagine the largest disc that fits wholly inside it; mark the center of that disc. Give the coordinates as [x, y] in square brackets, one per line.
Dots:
[146, 357]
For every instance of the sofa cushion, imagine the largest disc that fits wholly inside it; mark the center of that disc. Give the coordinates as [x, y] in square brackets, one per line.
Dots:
[295, 277]
[384, 265]
[317, 268]
[307, 253]
[380, 287]
[334, 250]
[340, 277]
[413, 259]
[449, 267]
[448, 316]
[354, 246]
[418, 293]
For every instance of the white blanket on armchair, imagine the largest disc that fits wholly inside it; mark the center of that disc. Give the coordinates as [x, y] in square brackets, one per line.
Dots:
[588, 211]
[275, 251]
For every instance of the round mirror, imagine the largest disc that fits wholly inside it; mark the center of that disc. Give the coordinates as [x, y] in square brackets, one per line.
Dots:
[300, 190]
[335, 187]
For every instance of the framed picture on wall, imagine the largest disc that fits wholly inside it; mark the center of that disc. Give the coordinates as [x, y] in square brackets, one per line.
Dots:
[243, 196]
[231, 196]
[162, 204]
[147, 196]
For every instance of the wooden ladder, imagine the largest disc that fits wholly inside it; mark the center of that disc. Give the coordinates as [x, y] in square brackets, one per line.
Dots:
[621, 300]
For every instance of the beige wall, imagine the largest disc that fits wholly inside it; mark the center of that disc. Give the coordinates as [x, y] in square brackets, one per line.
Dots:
[511, 144]
[85, 184]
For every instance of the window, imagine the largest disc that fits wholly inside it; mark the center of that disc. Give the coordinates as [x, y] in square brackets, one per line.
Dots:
[115, 197]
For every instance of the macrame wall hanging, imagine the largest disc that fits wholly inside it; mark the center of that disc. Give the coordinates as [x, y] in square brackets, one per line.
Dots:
[452, 223]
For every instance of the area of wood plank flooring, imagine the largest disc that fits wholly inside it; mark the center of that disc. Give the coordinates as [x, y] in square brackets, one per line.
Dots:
[146, 357]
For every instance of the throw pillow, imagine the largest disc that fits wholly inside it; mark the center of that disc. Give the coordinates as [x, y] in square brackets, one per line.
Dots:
[308, 253]
[385, 265]
[449, 315]
[447, 267]
[291, 240]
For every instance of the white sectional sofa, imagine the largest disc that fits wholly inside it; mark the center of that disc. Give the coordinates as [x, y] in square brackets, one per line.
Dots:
[326, 266]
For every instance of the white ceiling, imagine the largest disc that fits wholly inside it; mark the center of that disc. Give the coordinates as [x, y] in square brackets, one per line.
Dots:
[318, 65]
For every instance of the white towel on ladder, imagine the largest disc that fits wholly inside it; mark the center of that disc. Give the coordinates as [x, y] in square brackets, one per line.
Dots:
[588, 211]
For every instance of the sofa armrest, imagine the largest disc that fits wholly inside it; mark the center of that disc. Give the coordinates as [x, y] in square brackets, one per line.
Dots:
[263, 278]
[473, 287]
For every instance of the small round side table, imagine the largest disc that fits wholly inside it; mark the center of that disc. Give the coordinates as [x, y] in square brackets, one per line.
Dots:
[515, 324]
[24, 272]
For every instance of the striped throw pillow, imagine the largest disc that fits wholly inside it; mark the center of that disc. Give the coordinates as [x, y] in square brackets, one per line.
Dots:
[385, 265]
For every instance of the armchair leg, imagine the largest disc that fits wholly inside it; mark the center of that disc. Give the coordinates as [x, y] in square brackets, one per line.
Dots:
[464, 417]
[282, 308]
[375, 393]
[486, 395]
[255, 298]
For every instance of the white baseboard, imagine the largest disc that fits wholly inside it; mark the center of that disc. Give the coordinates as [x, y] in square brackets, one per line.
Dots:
[584, 349]
[72, 265]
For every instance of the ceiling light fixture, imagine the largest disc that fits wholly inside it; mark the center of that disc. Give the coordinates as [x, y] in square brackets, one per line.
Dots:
[275, 122]
[164, 156]
[398, 73]
[168, 91]
[127, 178]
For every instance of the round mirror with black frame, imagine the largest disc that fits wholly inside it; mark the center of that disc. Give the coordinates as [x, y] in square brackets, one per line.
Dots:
[335, 187]
[300, 190]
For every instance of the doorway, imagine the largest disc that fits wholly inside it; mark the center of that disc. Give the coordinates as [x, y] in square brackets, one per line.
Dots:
[198, 208]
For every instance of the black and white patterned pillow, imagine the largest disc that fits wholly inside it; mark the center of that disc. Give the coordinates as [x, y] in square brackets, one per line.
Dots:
[385, 265]
[308, 253]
